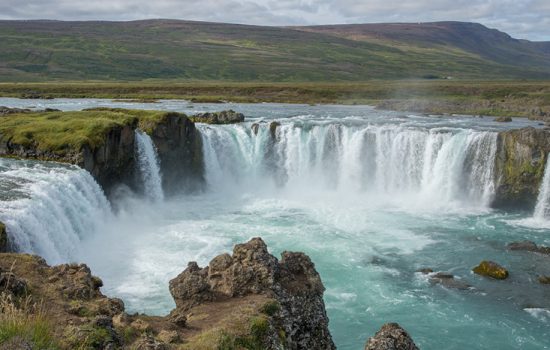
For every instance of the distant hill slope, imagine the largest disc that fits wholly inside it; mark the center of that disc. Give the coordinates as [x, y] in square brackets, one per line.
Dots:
[171, 49]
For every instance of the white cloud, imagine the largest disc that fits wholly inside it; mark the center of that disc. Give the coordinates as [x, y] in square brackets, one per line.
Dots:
[520, 18]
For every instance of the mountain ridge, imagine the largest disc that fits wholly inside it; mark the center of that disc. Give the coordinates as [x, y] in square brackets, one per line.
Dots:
[44, 50]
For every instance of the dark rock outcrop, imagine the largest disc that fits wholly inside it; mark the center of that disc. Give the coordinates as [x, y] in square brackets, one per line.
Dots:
[299, 319]
[3, 238]
[491, 269]
[113, 162]
[529, 246]
[223, 117]
[179, 146]
[519, 167]
[391, 337]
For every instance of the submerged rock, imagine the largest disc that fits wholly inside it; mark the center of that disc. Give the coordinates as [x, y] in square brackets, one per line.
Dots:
[491, 269]
[529, 247]
[447, 280]
[391, 337]
[544, 279]
[223, 117]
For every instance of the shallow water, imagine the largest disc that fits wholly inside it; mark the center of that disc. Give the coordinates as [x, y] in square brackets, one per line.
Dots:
[367, 231]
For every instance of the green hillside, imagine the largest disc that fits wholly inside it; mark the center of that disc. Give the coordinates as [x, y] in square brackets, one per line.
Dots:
[182, 50]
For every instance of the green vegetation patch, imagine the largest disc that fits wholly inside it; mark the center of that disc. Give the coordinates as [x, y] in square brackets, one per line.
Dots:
[65, 132]
[25, 324]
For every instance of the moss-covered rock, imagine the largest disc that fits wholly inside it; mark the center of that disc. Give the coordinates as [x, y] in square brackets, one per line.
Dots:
[519, 167]
[102, 141]
[491, 269]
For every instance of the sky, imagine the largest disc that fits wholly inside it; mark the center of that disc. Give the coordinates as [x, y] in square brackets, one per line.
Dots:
[526, 19]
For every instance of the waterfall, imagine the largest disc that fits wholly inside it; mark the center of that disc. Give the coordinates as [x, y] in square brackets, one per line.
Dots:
[49, 208]
[149, 166]
[436, 166]
[542, 209]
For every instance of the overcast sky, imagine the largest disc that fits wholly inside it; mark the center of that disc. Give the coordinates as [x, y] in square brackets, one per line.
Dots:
[529, 19]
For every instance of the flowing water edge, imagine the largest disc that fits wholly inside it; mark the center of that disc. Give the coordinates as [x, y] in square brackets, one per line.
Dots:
[371, 196]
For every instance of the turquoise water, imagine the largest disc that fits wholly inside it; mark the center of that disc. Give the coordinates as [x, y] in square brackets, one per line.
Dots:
[367, 231]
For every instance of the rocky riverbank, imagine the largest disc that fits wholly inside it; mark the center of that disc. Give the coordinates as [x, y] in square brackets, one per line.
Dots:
[247, 300]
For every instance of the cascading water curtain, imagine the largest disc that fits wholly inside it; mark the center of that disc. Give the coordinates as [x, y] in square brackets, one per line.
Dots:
[542, 209]
[149, 166]
[436, 165]
[52, 207]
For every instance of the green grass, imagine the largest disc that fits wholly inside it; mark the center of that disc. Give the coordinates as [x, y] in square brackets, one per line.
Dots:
[25, 323]
[64, 132]
[517, 98]
[164, 49]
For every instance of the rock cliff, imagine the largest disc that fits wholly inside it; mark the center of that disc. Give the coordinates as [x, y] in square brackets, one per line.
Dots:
[179, 147]
[102, 141]
[519, 166]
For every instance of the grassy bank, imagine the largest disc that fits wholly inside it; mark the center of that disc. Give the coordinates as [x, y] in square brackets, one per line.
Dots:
[63, 132]
[510, 98]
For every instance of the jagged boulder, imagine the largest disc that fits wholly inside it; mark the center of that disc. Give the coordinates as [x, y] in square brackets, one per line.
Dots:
[391, 337]
[491, 269]
[297, 313]
[223, 117]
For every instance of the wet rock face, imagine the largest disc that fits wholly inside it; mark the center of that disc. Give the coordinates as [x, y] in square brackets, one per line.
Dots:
[391, 337]
[519, 167]
[3, 238]
[179, 147]
[491, 269]
[113, 162]
[293, 282]
[223, 117]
